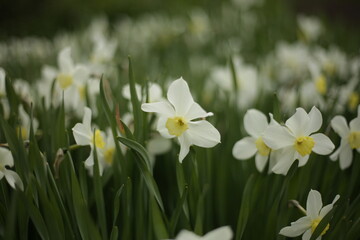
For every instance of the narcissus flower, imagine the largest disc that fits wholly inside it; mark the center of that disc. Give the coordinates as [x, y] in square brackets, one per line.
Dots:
[6, 159]
[255, 123]
[350, 139]
[314, 214]
[222, 233]
[183, 118]
[104, 143]
[296, 140]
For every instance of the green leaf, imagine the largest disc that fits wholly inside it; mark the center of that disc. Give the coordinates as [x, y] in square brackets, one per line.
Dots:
[117, 204]
[100, 205]
[114, 233]
[245, 207]
[138, 114]
[158, 221]
[175, 217]
[322, 225]
[143, 162]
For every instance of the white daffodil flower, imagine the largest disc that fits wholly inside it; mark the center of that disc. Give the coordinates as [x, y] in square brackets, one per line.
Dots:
[24, 129]
[350, 139]
[314, 214]
[176, 119]
[104, 143]
[311, 27]
[255, 123]
[222, 233]
[6, 159]
[296, 140]
[3, 100]
[155, 92]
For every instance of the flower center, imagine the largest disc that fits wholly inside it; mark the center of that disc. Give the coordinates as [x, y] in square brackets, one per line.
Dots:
[81, 90]
[304, 145]
[22, 132]
[320, 84]
[315, 223]
[65, 80]
[108, 155]
[262, 148]
[354, 140]
[98, 139]
[176, 126]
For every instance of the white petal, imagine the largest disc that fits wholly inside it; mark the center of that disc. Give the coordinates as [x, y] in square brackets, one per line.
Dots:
[325, 210]
[155, 92]
[65, 61]
[339, 124]
[313, 204]
[184, 146]
[180, 97]
[6, 158]
[244, 148]
[346, 156]
[82, 134]
[255, 122]
[187, 235]
[163, 108]
[87, 117]
[296, 228]
[299, 122]
[196, 111]
[222, 233]
[81, 74]
[158, 145]
[13, 179]
[161, 128]
[260, 162]
[302, 159]
[315, 121]
[203, 134]
[277, 137]
[127, 94]
[285, 160]
[335, 154]
[323, 144]
[355, 125]
[307, 235]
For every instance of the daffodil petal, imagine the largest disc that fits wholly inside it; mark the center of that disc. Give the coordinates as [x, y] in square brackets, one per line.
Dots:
[82, 134]
[255, 122]
[313, 204]
[65, 61]
[315, 121]
[277, 137]
[296, 228]
[6, 158]
[285, 160]
[81, 74]
[355, 124]
[184, 146]
[339, 124]
[13, 179]
[180, 97]
[323, 144]
[203, 134]
[325, 210]
[163, 108]
[345, 157]
[299, 122]
[195, 111]
[223, 233]
[244, 148]
[260, 161]
[158, 145]
[187, 235]
[307, 235]
[87, 117]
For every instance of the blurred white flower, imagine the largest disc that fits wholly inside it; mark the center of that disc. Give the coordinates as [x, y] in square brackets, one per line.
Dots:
[3, 100]
[310, 27]
[296, 140]
[350, 139]
[24, 128]
[222, 233]
[104, 143]
[314, 214]
[6, 159]
[176, 119]
[155, 92]
[255, 123]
